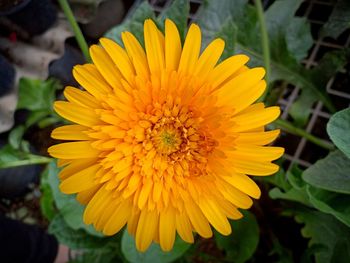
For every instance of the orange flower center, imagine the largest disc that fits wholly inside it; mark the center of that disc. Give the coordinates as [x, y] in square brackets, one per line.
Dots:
[167, 139]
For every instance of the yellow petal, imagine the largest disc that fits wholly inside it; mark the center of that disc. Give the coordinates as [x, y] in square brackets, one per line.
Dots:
[252, 108]
[167, 229]
[81, 115]
[145, 193]
[96, 205]
[154, 47]
[183, 227]
[118, 218]
[226, 69]
[137, 54]
[85, 196]
[236, 197]
[231, 91]
[90, 78]
[146, 228]
[63, 162]
[209, 58]
[230, 210]
[70, 132]
[257, 138]
[255, 168]
[108, 210]
[255, 119]
[190, 53]
[75, 166]
[198, 220]
[256, 153]
[81, 98]
[119, 57]
[244, 184]
[157, 191]
[247, 97]
[172, 46]
[73, 150]
[215, 216]
[133, 221]
[80, 181]
[105, 65]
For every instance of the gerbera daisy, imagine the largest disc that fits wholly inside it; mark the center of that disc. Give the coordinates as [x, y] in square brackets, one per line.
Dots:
[164, 137]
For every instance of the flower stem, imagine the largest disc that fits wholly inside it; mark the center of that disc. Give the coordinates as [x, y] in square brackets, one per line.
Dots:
[77, 32]
[32, 160]
[287, 126]
[264, 44]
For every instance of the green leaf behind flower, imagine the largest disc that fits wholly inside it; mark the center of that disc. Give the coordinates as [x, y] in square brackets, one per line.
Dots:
[338, 21]
[331, 173]
[67, 205]
[11, 157]
[178, 11]
[38, 97]
[327, 231]
[330, 64]
[76, 239]
[242, 243]
[331, 203]
[133, 22]
[296, 189]
[289, 38]
[338, 129]
[154, 254]
[36, 94]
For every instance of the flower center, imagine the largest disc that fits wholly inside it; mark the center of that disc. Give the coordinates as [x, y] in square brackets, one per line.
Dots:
[167, 140]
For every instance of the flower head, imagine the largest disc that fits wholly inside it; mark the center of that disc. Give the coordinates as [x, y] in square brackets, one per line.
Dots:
[164, 137]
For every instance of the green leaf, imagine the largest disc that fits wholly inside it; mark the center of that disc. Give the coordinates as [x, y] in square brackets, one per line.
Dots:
[327, 231]
[331, 203]
[11, 157]
[36, 94]
[178, 12]
[286, 49]
[279, 179]
[101, 255]
[49, 121]
[301, 108]
[287, 31]
[284, 254]
[290, 195]
[338, 129]
[294, 176]
[329, 65]
[242, 243]
[75, 239]
[298, 38]
[133, 22]
[218, 19]
[338, 21]
[331, 173]
[68, 206]
[154, 254]
[47, 204]
[15, 136]
[35, 116]
[296, 192]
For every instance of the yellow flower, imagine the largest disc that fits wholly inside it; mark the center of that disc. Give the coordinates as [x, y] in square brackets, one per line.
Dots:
[164, 137]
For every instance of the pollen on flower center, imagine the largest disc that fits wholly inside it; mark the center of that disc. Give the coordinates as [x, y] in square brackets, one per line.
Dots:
[168, 140]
